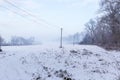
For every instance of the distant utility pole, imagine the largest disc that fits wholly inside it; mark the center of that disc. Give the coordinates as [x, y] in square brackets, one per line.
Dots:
[73, 40]
[61, 38]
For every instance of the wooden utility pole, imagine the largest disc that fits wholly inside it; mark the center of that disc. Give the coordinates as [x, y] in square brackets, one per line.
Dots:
[61, 38]
[73, 40]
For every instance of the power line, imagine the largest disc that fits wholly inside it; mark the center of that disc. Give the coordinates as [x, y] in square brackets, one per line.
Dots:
[18, 14]
[15, 12]
[33, 16]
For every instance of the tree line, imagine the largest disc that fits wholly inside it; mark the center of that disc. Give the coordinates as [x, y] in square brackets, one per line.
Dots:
[105, 29]
[16, 41]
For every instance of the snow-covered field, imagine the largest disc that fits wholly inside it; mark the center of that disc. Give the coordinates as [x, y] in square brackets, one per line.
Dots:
[52, 63]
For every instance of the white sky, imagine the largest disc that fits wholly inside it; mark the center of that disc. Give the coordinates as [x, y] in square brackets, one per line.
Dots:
[69, 14]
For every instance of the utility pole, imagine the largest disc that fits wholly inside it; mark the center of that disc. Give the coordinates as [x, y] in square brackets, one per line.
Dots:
[73, 40]
[61, 38]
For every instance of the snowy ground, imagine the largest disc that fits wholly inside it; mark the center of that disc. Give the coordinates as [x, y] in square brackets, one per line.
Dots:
[52, 63]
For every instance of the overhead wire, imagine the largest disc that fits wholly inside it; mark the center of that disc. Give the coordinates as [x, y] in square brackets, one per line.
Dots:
[33, 16]
[17, 13]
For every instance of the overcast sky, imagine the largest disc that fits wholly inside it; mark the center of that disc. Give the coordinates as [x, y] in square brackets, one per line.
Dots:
[69, 14]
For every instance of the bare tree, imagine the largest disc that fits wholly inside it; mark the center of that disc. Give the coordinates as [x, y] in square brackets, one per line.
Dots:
[91, 30]
[21, 41]
[105, 30]
[111, 8]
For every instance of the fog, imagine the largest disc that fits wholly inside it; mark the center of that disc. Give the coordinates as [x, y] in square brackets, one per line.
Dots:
[43, 19]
